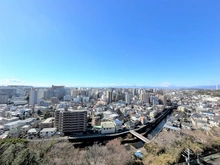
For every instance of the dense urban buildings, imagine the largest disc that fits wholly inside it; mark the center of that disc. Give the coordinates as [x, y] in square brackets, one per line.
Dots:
[81, 111]
[60, 112]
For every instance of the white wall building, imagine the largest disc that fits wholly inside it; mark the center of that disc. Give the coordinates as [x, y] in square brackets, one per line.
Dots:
[33, 97]
[127, 98]
[11, 125]
[118, 125]
[107, 127]
[48, 132]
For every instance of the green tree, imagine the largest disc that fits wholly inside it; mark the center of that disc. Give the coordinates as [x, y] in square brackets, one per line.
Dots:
[39, 112]
[47, 115]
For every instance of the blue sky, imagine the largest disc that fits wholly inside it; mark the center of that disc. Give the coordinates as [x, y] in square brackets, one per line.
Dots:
[97, 43]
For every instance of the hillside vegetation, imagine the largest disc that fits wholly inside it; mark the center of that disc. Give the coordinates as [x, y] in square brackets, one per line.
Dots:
[53, 152]
[21, 152]
[199, 142]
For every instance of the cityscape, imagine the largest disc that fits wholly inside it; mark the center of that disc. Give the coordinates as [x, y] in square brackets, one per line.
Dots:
[84, 116]
[95, 82]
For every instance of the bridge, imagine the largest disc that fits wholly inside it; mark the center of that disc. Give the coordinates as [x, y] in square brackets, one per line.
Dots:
[144, 139]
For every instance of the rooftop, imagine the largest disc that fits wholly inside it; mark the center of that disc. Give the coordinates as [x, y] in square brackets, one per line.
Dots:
[48, 129]
[107, 124]
[33, 130]
[48, 120]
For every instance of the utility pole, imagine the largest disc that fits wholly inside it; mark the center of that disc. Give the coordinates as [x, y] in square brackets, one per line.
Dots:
[186, 154]
[188, 157]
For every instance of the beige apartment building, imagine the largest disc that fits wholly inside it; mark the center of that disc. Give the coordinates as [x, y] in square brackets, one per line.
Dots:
[71, 121]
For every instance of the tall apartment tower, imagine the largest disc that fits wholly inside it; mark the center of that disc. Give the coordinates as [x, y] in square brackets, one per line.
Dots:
[127, 98]
[164, 100]
[57, 117]
[109, 96]
[216, 86]
[71, 121]
[134, 92]
[145, 97]
[33, 97]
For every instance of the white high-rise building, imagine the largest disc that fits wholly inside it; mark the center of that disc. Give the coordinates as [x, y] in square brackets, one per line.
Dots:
[216, 86]
[134, 92]
[33, 97]
[127, 98]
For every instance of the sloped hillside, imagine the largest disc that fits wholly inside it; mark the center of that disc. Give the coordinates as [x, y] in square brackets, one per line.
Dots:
[21, 152]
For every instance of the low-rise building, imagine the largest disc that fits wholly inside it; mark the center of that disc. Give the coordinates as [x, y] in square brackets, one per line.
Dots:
[54, 100]
[67, 98]
[153, 114]
[48, 132]
[27, 121]
[33, 131]
[118, 125]
[107, 127]
[130, 125]
[10, 125]
[48, 123]
[25, 128]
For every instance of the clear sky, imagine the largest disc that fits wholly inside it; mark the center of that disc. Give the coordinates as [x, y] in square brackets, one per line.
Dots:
[110, 42]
